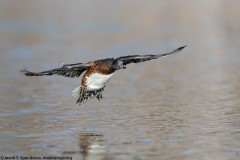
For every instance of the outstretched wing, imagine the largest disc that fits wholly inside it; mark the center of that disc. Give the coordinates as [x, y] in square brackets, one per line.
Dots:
[67, 70]
[141, 58]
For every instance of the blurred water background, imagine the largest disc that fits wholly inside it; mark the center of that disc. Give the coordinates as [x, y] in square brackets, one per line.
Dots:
[184, 106]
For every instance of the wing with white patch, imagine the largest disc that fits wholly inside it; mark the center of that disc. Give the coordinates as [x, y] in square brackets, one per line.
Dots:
[142, 58]
[67, 70]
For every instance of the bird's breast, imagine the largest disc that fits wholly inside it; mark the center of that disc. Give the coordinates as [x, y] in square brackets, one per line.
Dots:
[96, 81]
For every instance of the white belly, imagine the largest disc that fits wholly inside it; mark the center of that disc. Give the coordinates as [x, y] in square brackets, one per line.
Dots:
[97, 81]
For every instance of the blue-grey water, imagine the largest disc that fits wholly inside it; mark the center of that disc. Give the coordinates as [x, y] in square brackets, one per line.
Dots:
[184, 106]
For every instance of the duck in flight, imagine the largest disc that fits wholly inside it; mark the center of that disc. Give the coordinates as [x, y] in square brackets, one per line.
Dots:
[97, 73]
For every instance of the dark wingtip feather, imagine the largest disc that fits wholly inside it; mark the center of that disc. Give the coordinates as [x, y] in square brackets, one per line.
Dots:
[175, 51]
[28, 73]
[180, 48]
[24, 71]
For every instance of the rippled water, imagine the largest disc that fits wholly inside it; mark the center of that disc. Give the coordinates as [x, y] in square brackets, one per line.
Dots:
[184, 106]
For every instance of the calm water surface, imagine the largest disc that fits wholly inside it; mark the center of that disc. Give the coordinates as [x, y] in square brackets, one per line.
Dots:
[185, 106]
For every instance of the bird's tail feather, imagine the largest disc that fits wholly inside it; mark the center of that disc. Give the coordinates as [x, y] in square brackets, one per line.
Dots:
[77, 94]
[81, 96]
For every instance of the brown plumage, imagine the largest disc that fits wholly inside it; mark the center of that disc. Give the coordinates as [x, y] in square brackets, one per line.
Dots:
[97, 73]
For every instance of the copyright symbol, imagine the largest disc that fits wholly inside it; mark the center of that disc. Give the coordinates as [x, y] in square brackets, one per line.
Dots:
[2, 157]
